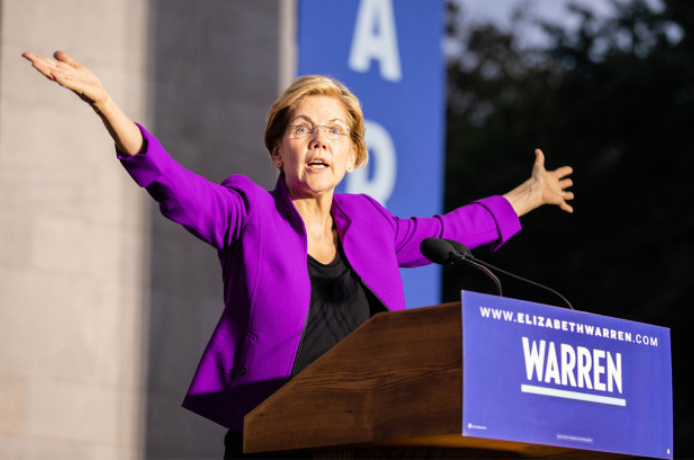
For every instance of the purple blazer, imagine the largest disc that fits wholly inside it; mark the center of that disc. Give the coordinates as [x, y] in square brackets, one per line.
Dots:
[262, 248]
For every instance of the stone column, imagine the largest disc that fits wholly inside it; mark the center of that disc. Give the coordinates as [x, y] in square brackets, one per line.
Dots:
[73, 238]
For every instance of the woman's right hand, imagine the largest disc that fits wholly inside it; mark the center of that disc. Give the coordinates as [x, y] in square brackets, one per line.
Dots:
[70, 74]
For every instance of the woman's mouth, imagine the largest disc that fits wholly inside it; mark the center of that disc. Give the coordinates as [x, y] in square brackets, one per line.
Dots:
[317, 164]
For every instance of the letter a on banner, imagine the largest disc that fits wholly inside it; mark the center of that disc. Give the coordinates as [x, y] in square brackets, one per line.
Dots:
[375, 37]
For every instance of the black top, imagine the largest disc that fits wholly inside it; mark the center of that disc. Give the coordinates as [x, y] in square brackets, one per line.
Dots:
[339, 304]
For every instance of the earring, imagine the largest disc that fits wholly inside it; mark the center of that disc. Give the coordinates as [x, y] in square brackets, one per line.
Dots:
[350, 168]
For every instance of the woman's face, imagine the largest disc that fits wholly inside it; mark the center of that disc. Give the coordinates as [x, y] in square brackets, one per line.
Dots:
[314, 165]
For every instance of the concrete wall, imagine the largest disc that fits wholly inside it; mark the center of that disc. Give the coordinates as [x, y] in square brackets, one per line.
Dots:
[72, 239]
[105, 307]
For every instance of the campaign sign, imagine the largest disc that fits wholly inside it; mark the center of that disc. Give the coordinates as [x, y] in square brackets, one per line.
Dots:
[538, 374]
[389, 54]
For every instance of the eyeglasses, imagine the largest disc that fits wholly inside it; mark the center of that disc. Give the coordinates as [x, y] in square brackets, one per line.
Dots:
[302, 130]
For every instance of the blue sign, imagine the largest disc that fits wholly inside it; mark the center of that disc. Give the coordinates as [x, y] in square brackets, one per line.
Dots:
[389, 55]
[546, 375]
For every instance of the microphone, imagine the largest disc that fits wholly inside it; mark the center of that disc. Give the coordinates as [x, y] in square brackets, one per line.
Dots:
[439, 251]
[458, 252]
[448, 252]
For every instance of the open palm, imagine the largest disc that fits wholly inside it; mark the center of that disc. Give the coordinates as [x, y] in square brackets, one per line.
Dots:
[69, 73]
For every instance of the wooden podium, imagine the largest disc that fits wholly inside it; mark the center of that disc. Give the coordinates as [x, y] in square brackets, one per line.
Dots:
[392, 389]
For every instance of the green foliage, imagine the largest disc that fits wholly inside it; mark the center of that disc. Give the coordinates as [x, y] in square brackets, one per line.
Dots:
[615, 100]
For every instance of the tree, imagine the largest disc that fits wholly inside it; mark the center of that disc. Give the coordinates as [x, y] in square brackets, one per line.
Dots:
[614, 99]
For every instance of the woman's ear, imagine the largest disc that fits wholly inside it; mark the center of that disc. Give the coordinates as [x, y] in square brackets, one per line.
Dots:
[276, 157]
[352, 160]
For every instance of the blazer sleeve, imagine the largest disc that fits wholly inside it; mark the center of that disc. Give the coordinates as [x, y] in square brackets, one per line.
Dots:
[491, 220]
[212, 212]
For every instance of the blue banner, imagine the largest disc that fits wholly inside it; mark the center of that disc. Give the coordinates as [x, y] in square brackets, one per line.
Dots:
[546, 375]
[389, 55]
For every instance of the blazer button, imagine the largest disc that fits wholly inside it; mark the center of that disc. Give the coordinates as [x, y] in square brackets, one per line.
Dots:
[241, 370]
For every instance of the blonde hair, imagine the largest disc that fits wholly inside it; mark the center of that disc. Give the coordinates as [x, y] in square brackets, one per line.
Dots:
[316, 85]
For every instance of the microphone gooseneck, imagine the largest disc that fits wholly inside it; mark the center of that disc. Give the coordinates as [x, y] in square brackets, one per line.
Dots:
[488, 265]
[445, 251]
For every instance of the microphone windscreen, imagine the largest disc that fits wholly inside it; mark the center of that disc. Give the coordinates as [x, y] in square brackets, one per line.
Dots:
[457, 246]
[436, 250]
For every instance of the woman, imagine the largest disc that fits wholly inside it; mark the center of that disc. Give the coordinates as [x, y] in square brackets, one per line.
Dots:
[302, 266]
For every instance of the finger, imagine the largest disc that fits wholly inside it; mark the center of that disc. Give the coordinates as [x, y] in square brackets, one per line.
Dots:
[29, 56]
[566, 183]
[567, 196]
[567, 207]
[38, 59]
[563, 171]
[42, 64]
[62, 56]
[539, 159]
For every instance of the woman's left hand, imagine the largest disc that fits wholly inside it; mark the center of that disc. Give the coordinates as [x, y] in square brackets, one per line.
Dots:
[543, 187]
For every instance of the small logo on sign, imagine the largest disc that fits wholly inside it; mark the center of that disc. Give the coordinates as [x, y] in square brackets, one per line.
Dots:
[470, 426]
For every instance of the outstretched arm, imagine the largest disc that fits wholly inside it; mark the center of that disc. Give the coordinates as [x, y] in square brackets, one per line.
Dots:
[543, 187]
[70, 74]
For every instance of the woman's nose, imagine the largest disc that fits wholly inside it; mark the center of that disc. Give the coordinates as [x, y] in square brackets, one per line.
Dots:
[319, 140]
